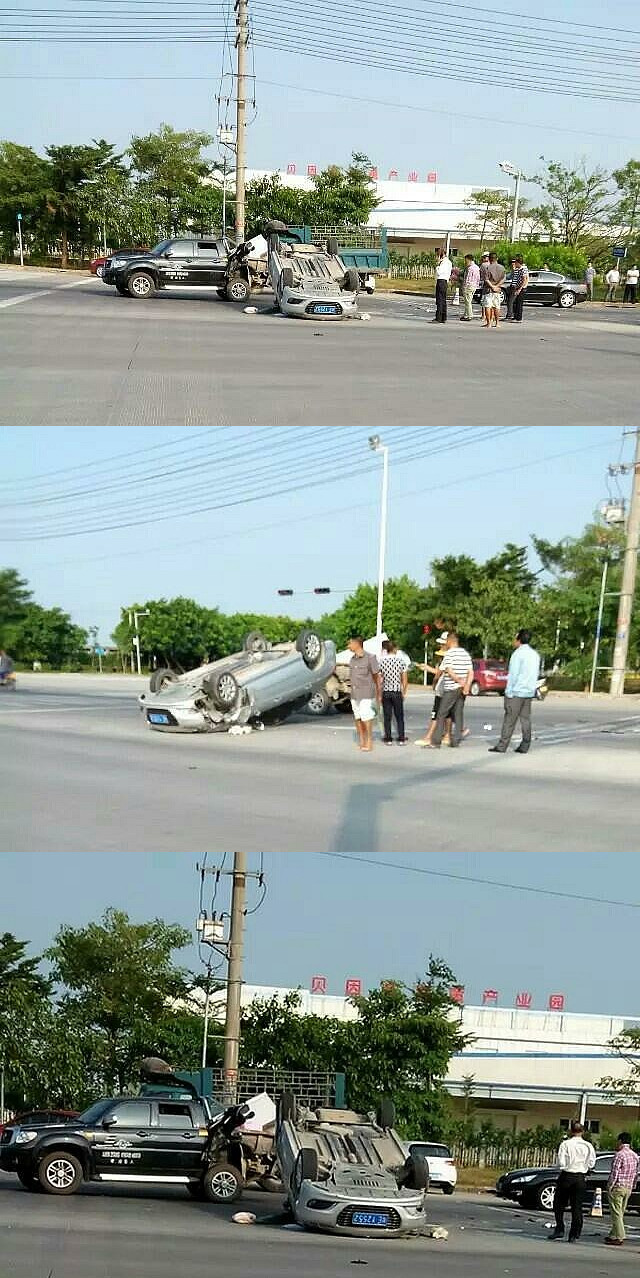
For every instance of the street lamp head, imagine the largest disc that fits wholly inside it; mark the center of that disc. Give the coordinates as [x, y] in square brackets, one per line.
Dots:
[375, 443]
[508, 168]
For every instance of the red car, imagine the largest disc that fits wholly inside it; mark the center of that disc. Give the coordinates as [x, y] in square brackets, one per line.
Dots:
[97, 265]
[489, 675]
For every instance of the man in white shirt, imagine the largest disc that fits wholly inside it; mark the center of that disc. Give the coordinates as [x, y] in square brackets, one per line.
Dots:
[443, 275]
[456, 669]
[612, 279]
[631, 284]
[576, 1157]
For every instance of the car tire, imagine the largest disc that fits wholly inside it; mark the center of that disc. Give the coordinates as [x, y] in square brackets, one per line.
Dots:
[255, 641]
[351, 282]
[319, 703]
[310, 647]
[475, 689]
[29, 1180]
[196, 1190]
[386, 1113]
[222, 1183]
[415, 1173]
[140, 286]
[161, 679]
[370, 291]
[273, 718]
[545, 1196]
[287, 1108]
[222, 688]
[60, 1172]
[566, 300]
[332, 245]
[238, 290]
[304, 1168]
[286, 277]
[448, 1189]
[100, 271]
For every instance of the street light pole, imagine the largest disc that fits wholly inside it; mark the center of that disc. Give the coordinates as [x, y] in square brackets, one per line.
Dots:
[144, 612]
[628, 586]
[596, 646]
[376, 444]
[516, 173]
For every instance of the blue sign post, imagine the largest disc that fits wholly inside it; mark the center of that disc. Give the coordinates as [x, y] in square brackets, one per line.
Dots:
[618, 250]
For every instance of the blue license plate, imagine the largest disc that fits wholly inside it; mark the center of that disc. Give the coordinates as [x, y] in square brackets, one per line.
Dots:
[157, 718]
[325, 309]
[377, 1219]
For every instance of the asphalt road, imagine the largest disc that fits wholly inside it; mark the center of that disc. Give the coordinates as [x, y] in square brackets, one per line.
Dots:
[189, 358]
[149, 1234]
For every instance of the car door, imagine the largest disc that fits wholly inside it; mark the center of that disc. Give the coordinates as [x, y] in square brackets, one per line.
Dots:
[177, 264]
[122, 1145]
[598, 1177]
[179, 1136]
[210, 263]
[546, 290]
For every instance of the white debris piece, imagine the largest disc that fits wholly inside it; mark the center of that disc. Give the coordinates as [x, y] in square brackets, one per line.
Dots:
[250, 310]
[244, 1218]
[438, 1232]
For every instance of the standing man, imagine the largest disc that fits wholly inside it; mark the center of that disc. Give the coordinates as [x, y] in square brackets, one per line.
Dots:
[493, 280]
[519, 285]
[612, 279]
[366, 685]
[456, 670]
[524, 672]
[469, 285]
[443, 275]
[576, 1157]
[622, 1179]
[393, 673]
[589, 277]
[631, 284]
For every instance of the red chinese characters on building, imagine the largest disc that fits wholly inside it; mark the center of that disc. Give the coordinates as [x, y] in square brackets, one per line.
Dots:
[393, 173]
[413, 176]
[456, 994]
[489, 996]
[432, 177]
[291, 168]
[312, 170]
[318, 984]
[524, 999]
[373, 174]
[353, 987]
[556, 1002]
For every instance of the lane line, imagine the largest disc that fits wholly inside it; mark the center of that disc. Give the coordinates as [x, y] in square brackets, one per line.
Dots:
[43, 292]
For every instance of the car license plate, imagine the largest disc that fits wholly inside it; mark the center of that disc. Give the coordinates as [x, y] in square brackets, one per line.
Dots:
[154, 717]
[377, 1219]
[324, 309]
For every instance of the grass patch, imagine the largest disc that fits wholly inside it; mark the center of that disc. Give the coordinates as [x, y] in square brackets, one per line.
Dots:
[478, 1177]
[385, 283]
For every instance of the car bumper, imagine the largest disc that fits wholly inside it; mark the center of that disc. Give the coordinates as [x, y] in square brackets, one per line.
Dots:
[437, 1182]
[8, 1160]
[307, 307]
[109, 276]
[175, 719]
[405, 1215]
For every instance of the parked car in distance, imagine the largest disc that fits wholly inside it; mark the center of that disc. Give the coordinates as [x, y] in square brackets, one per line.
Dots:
[489, 675]
[547, 288]
[184, 263]
[41, 1118]
[535, 1187]
[97, 265]
[443, 1173]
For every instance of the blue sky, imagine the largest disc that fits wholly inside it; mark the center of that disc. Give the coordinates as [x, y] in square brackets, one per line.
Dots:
[297, 126]
[473, 500]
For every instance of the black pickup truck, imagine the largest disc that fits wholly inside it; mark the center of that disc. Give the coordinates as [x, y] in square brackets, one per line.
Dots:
[171, 264]
[152, 1139]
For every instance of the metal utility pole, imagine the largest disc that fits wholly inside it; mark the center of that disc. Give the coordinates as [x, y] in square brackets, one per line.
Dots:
[242, 40]
[627, 589]
[234, 981]
[376, 444]
[144, 612]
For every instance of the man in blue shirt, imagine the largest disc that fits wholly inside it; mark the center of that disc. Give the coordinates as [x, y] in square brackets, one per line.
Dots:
[524, 672]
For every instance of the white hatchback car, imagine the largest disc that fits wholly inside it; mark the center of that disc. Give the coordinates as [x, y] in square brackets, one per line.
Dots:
[310, 282]
[443, 1173]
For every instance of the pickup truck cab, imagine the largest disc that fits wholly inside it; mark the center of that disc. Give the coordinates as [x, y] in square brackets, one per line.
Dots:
[183, 263]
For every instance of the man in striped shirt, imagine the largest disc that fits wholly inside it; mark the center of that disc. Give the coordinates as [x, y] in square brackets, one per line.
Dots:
[622, 1179]
[456, 669]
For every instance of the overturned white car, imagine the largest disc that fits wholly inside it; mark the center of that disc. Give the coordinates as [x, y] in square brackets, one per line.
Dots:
[261, 685]
[310, 282]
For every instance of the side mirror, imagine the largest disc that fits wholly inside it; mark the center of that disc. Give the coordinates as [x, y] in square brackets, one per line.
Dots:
[110, 1121]
[167, 253]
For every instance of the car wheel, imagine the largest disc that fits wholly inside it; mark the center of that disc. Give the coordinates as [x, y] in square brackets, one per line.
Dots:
[238, 290]
[29, 1180]
[386, 1113]
[319, 702]
[305, 1168]
[222, 1183]
[255, 641]
[370, 291]
[545, 1197]
[100, 271]
[286, 277]
[140, 285]
[60, 1173]
[351, 280]
[161, 679]
[196, 1190]
[287, 1108]
[415, 1173]
[332, 245]
[448, 1189]
[222, 688]
[475, 689]
[310, 647]
[566, 300]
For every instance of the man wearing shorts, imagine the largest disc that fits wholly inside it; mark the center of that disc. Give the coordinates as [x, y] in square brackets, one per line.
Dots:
[492, 281]
[366, 687]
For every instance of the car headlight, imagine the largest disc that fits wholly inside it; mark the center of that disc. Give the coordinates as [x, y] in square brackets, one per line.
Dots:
[23, 1137]
[117, 261]
[521, 1180]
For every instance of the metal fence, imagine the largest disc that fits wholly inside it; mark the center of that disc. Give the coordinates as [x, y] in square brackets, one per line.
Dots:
[503, 1156]
[348, 236]
[315, 1090]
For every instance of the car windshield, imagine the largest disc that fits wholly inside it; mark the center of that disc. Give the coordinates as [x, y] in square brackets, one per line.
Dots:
[160, 248]
[94, 1113]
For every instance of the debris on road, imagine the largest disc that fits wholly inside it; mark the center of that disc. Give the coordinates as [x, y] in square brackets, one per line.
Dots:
[438, 1232]
[244, 1218]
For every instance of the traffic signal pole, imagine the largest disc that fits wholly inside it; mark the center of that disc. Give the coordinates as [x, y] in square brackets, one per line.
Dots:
[629, 573]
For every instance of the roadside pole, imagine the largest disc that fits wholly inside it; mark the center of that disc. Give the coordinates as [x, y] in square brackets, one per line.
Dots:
[234, 982]
[627, 589]
[596, 646]
[20, 245]
[242, 39]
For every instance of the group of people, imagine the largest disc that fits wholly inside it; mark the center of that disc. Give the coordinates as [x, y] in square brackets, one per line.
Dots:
[385, 682]
[576, 1157]
[612, 280]
[490, 277]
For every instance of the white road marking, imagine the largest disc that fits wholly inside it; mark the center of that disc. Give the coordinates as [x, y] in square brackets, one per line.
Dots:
[43, 292]
[42, 710]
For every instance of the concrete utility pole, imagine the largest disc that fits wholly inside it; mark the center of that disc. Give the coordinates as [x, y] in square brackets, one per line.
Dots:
[234, 982]
[627, 589]
[242, 40]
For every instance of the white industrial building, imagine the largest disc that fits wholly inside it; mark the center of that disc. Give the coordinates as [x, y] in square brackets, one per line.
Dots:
[521, 1067]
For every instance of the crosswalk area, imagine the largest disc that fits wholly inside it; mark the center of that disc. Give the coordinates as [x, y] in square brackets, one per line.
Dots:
[559, 733]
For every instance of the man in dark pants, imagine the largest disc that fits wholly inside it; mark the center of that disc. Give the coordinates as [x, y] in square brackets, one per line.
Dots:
[524, 672]
[576, 1157]
[456, 669]
[519, 287]
[393, 672]
[443, 275]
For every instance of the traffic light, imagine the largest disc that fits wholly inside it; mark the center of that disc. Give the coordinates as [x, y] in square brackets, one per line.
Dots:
[285, 592]
[426, 630]
[322, 590]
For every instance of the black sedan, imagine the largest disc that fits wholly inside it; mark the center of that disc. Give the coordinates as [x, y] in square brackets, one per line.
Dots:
[535, 1187]
[547, 288]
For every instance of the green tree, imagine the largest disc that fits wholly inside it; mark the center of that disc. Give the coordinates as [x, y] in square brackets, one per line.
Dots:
[170, 165]
[23, 996]
[341, 196]
[568, 604]
[558, 257]
[117, 979]
[47, 634]
[493, 612]
[268, 200]
[14, 598]
[578, 200]
[70, 168]
[626, 211]
[491, 211]
[24, 181]
[403, 614]
[276, 1034]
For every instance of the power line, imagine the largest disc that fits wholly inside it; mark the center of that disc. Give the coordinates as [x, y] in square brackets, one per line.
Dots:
[471, 878]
